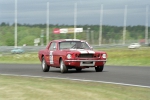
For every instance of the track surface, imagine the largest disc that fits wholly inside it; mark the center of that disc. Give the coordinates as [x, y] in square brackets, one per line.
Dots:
[117, 74]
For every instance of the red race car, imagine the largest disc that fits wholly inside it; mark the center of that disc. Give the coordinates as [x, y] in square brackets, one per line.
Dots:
[71, 53]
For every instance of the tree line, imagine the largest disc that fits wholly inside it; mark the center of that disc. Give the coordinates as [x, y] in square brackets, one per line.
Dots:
[26, 33]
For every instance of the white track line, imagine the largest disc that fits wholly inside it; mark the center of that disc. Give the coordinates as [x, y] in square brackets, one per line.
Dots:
[82, 80]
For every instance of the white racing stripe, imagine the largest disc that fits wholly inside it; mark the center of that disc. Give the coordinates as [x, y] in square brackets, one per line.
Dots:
[81, 51]
[82, 80]
[84, 51]
[91, 52]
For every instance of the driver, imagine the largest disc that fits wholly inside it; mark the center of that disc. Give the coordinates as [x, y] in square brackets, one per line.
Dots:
[78, 45]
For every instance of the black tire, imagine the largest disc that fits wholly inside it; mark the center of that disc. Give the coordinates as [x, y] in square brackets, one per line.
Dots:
[78, 69]
[45, 67]
[99, 68]
[63, 67]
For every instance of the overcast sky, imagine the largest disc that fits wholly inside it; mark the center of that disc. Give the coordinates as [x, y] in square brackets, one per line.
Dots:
[88, 11]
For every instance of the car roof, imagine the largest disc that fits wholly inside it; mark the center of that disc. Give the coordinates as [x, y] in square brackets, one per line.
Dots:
[61, 40]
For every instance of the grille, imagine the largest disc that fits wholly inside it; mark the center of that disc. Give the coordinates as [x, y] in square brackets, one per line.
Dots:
[86, 56]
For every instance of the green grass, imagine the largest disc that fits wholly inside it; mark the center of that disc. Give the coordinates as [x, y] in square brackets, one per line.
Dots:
[128, 57]
[26, 58]
[24, 88]
[116, 56]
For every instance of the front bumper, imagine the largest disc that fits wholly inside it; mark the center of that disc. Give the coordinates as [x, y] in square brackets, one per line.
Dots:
[85, 63]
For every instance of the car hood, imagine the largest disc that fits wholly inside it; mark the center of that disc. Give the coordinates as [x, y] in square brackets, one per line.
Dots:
[81, 51]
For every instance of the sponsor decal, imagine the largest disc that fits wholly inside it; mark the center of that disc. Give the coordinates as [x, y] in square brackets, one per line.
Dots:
[51, 57]
[70, 30]
[64, 30]
[78, 30]
[67, 30]
[56, 31]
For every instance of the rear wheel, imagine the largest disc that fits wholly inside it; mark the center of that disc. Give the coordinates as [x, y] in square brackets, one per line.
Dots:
[99, 68]
[63, 67]
[45, 67]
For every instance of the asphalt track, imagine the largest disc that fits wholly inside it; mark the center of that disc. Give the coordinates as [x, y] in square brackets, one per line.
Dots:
[124, 75]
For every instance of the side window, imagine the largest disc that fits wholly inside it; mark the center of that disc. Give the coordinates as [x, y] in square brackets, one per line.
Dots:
[52, 46]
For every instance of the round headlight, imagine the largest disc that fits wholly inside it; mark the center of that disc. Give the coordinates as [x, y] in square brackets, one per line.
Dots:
[104, 55]
[68, 56]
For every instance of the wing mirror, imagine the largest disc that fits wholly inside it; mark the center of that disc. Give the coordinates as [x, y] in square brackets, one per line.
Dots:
[91, 48]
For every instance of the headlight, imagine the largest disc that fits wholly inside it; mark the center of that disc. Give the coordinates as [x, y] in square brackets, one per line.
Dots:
[104, 56]
[69, 56]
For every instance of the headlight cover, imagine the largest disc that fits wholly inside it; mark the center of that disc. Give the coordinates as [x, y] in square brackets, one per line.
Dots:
[69, 56]
[104, 56]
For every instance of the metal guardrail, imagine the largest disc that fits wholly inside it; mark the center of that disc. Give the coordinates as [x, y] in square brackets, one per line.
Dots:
[7, 49]
[110, 46]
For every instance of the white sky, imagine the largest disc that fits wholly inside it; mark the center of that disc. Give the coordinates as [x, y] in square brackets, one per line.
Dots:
[88, 11]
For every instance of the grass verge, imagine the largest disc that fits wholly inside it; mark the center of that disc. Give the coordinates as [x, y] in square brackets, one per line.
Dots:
[128, 57]
[25, 88]
[116, 56]
[26, 58]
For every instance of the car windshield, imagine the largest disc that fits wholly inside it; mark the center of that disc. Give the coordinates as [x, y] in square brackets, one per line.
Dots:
[73, 45]
[134, 44]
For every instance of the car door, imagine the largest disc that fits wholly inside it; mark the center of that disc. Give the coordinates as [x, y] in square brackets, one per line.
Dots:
[52, 49]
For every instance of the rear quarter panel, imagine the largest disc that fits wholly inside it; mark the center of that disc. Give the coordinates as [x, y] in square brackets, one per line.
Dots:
[42, 53]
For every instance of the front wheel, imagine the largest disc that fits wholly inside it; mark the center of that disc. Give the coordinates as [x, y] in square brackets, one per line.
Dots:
[99, 68]
[45, 67]
[63, 67]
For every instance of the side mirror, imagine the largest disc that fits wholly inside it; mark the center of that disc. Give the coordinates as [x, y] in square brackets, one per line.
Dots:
[91, 48]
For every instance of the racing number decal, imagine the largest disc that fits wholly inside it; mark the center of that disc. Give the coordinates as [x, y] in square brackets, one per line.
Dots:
[51, 57]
